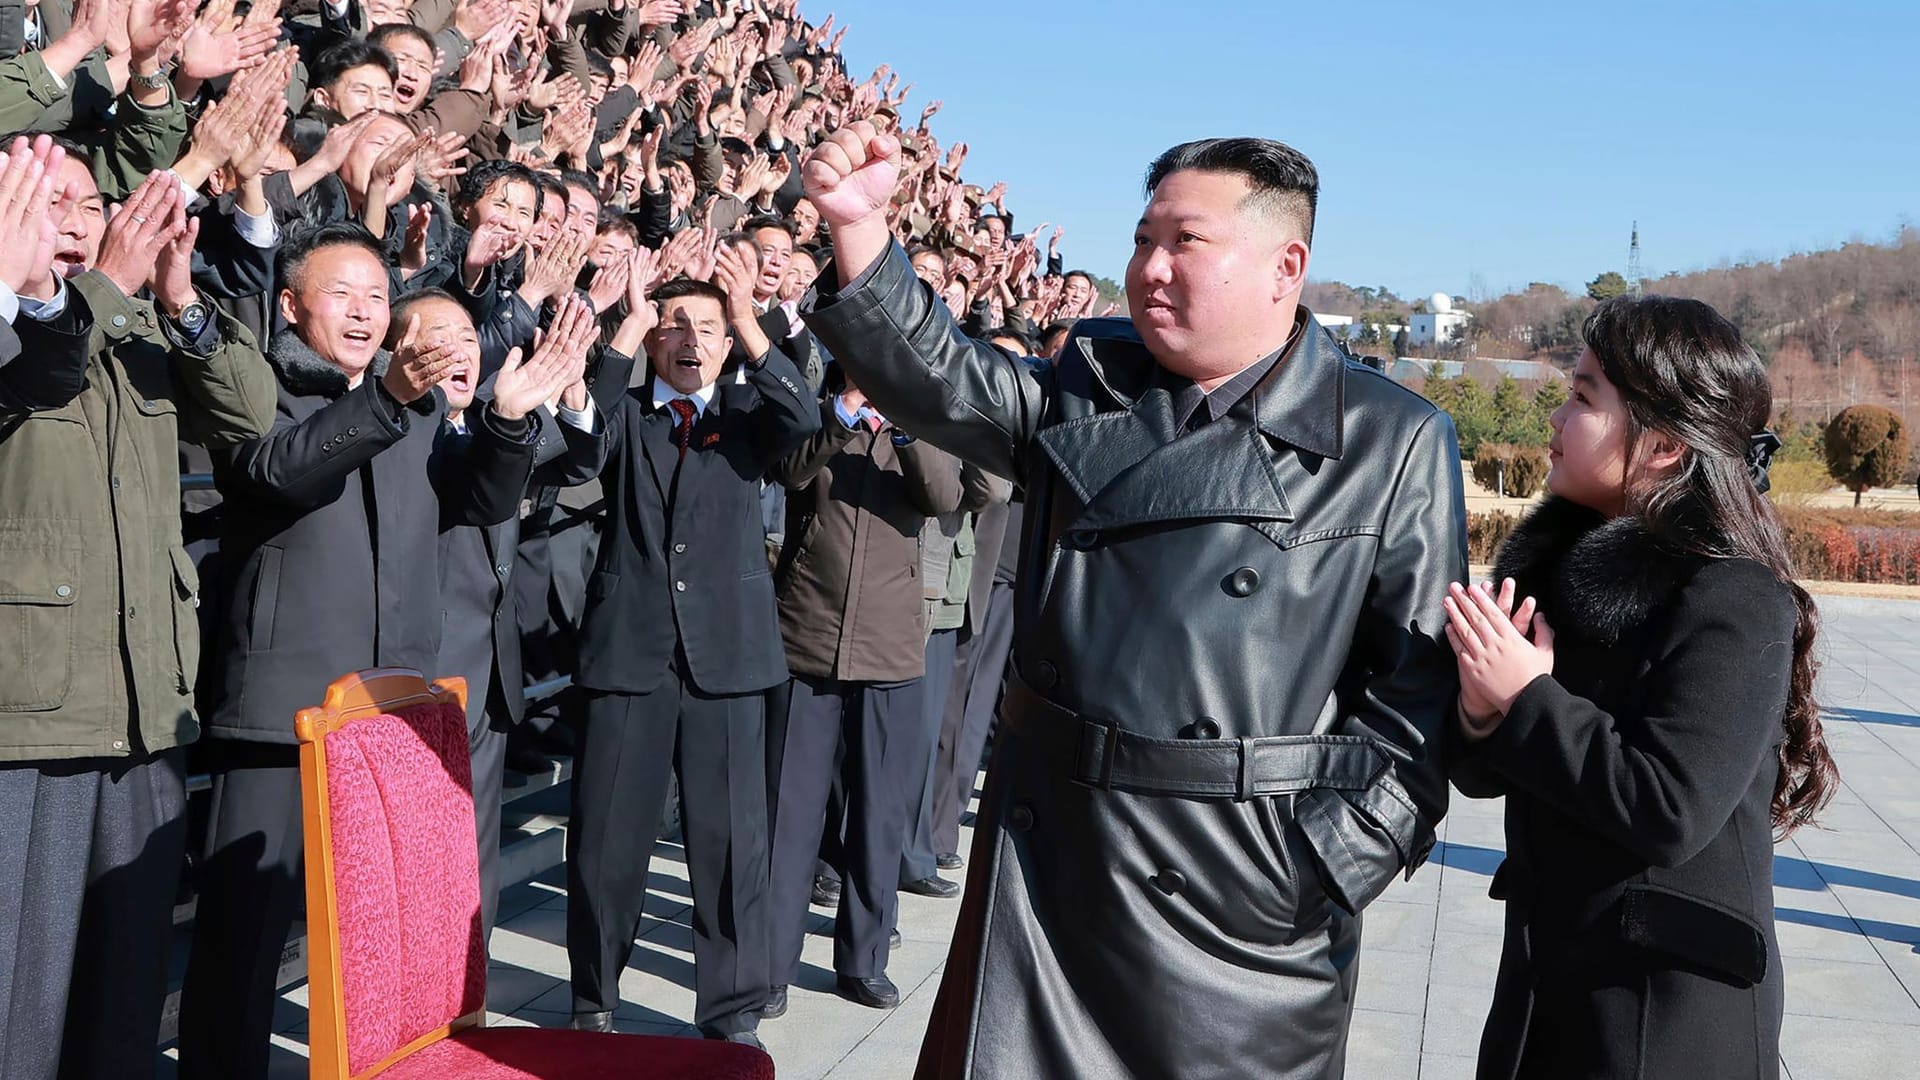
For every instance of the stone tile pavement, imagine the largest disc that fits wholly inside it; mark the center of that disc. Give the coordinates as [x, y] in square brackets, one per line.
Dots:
[1847, 896]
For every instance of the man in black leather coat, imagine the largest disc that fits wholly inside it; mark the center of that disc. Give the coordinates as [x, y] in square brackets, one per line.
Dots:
[1222, 730]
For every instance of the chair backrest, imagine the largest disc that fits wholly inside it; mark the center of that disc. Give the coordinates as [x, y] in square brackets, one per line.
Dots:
[395, 956]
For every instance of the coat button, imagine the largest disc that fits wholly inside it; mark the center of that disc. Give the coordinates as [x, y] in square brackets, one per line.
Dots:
[1169, 881]
[502, 569]
[1083, 539]
[63, 591]
[119, 744]
[119, 320]
[1046, 675]
[1206, 728]
[1244, 581]
[353, 431]
[1021, 817]
[679, 586]
[679, 549]
[148, 405]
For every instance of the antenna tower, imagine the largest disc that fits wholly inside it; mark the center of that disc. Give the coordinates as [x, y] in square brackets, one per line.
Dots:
[1633, 262]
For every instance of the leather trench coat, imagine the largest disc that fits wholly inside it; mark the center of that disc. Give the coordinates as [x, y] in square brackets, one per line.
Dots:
[1222, 730]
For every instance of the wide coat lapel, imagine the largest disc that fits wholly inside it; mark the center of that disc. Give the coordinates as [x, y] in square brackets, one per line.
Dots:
[1128, 468]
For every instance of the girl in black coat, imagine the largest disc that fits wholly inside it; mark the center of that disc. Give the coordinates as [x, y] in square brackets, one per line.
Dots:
[1639, 686]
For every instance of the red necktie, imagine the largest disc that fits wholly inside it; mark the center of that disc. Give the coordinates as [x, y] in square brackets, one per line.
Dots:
[683, 427]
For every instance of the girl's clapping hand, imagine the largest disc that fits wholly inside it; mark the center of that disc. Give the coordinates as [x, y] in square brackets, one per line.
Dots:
[1491, 646]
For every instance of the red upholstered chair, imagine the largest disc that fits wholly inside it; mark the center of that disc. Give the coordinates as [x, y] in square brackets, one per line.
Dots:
[397, 973]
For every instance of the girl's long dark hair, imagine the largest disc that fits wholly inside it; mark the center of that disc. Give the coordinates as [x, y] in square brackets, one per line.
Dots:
[1683, 370]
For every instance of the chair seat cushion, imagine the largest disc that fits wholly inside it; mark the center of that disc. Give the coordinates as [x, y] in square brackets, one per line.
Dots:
[520, 1053]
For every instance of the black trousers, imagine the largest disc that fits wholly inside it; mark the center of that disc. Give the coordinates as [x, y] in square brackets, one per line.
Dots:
[249, 892]
[917, 857]
[876, 723]
[90, 855]
[717, 745]
[979, 667]
[487, 745]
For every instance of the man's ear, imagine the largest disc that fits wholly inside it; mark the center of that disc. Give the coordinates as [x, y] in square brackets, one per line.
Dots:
[286, 307]
[1290, 268]
[320, 97]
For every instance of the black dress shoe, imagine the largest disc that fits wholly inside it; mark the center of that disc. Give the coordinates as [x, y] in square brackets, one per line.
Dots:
[933, 885]
[893, 939]
[949, 861]
[826, 892]
[742, 1038]
[593, 1021]
[875, 993]
[776, 1006]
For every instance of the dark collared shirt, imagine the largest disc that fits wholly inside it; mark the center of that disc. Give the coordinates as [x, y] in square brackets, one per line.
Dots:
[1188, 398]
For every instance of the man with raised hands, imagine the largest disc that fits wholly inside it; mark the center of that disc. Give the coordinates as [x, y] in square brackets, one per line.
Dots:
[1221, 737]
[96, 702]
[331, 553]
[678, 642]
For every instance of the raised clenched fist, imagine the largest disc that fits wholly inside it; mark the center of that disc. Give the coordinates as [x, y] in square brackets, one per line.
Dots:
[850, 177]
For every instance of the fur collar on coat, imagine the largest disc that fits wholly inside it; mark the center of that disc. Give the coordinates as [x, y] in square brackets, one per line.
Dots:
[1598, 581]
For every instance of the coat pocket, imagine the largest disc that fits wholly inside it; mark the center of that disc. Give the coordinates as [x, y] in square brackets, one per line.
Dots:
[1718, 942]
[266, 598]
[37, 641]
[186, 620]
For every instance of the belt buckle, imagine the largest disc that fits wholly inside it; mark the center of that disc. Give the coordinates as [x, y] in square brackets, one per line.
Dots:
[1103, 774]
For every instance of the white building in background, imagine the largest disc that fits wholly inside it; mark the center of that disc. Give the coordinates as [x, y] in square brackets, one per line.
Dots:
[1346, 328]
[1439, 324]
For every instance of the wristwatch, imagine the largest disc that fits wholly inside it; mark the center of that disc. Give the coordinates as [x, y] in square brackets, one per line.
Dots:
[155, 81]
[193, 319]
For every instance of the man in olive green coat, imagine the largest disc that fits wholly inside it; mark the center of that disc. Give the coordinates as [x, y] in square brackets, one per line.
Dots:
[98, 635]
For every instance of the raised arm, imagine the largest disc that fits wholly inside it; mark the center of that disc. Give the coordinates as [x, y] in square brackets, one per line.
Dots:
[968, 398]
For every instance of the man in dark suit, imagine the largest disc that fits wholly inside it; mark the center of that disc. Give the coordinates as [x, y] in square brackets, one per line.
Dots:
[331, 566]
[678, 642]
[480, 635]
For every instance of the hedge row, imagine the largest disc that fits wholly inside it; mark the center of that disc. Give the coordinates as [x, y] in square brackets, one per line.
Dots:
[1867, 546]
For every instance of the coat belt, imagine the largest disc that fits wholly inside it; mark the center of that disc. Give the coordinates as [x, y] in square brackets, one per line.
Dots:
[1106, 756]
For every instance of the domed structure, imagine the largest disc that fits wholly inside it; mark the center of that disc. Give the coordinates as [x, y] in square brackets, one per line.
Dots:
[1439, 303]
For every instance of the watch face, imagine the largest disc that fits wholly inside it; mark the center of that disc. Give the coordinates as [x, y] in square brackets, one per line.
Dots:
[193, 317]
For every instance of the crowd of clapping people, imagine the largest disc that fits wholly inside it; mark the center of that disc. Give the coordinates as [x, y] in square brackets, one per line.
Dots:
[484, 316]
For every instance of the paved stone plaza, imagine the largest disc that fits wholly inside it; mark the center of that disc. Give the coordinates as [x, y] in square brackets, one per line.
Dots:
[1848, 903]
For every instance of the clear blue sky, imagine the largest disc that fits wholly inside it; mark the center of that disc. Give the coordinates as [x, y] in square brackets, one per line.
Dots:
[1461, 148]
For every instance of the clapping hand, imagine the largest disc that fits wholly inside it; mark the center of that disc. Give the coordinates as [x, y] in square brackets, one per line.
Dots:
[559, 361]
[609, 284]
[217, 44]
[27, 175]
[736, 278]
[413, 254]
[418, 367]
[489, 244]
[139, 228]
[1490, 645]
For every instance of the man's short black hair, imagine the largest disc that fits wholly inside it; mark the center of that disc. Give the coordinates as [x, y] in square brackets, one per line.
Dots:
[482, 177]
[1082, 275]
[403, 306]
[549, 184]
[614, 221]
[575, 178]
[300, 246]
[766, 221]
[386, 32]
[682, 287]
[1283, 180]
[338, 59]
